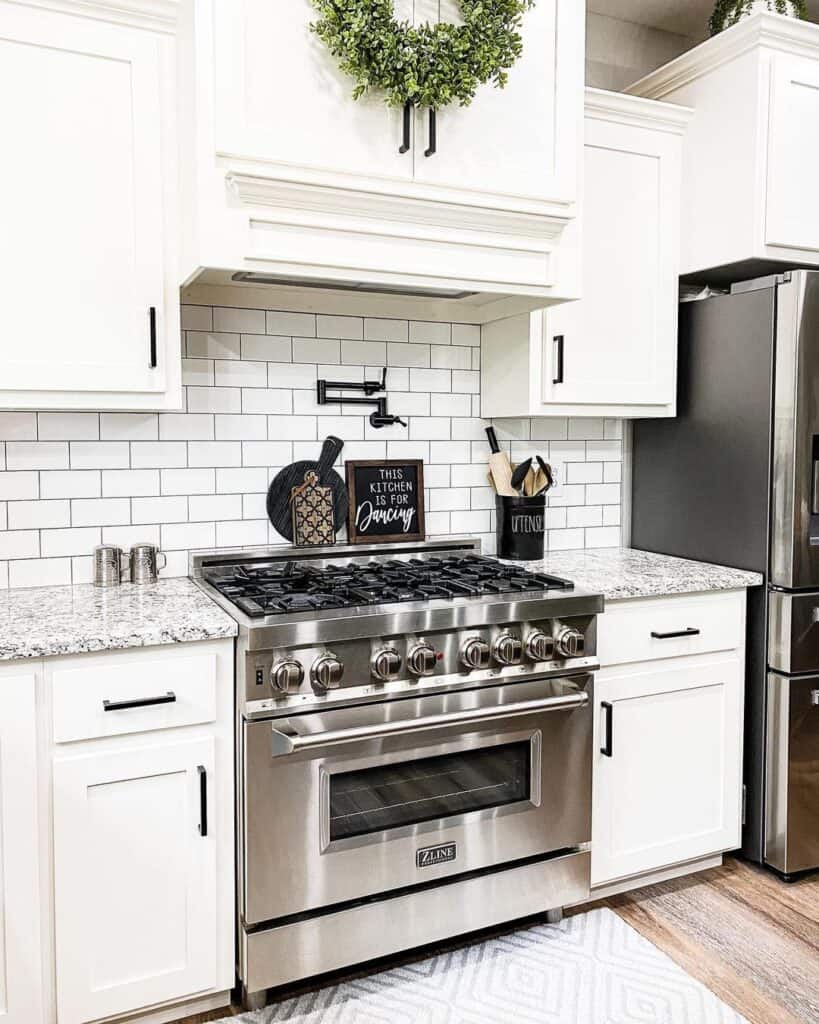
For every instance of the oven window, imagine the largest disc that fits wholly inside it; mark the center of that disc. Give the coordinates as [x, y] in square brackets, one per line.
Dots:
[436, 787]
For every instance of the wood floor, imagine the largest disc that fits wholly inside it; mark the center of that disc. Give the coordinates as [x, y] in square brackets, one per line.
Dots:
[751, 939]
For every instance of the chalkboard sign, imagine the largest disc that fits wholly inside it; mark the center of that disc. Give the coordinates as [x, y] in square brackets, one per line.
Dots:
[386, 501]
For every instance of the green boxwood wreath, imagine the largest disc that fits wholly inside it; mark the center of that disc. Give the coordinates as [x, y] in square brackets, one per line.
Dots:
[729, 12]
[430, 65]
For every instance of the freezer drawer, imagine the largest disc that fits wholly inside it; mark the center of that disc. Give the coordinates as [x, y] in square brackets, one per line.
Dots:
[793, 632]
[792, 825]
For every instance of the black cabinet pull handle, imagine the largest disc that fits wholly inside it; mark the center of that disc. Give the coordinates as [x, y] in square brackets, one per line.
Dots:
[152, 361]
[405, 145]
[138, 702]
[607, 750]
[675, 635]
[432, 149]
[203, 800]
[558, 343]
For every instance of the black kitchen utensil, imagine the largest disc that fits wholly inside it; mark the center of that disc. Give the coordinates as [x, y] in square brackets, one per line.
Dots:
[278, 495]
[519, 474]
[492, 437]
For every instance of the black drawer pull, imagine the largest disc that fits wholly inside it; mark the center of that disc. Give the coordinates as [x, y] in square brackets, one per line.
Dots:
[432, 149]
[607, 750]
[138, 702]
[203, 800]
[558, 342]
[675, 635]
[407, 115]
[152, 355]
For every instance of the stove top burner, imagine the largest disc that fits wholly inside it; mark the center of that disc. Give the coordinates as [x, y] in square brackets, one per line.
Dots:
[293, 586]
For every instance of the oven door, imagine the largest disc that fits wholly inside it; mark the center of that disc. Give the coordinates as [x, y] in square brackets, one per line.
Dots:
[343, 804]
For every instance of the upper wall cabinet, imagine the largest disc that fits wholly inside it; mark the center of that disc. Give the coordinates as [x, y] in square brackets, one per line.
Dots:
[749, 182]
[87, 206]
[613, 353]
[289, 178]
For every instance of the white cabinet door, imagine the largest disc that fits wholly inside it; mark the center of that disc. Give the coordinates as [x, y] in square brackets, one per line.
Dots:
[618, 345]
[522, 140]
[668, 771]
[279, 95]
[21, 986]
[792, 216]
[81, 204]
[135, 879]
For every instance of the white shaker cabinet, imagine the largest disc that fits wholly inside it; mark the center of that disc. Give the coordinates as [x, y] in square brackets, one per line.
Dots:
[21, 954]
[143, 806]
[288, 178]
[613, 352]
[87, 206]
[668, 734]
[748, 170]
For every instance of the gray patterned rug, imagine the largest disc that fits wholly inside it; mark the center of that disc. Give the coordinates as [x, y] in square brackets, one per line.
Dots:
[591, 969]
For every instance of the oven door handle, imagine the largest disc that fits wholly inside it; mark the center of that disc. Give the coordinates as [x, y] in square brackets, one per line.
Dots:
[286, 740]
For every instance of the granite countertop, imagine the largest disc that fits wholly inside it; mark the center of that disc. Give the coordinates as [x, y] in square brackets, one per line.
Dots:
[620, 573]
[46, 621]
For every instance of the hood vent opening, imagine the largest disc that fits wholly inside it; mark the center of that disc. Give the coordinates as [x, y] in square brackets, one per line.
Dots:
[251, 277]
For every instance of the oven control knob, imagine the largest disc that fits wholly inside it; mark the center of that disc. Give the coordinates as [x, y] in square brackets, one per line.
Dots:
[507, 649]
[422, 659]
[540, 646]
[570, 642]
[286, 676]
[475, 653]
[385, 664]
[326, 672]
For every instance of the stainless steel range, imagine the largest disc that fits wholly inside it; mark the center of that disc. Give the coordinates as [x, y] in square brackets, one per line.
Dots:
[414, 748]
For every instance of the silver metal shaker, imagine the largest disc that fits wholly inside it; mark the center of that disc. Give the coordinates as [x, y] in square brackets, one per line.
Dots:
[108, 568]
[145, 562]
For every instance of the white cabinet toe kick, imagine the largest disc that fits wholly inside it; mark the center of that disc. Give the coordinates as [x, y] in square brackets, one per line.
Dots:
[303, 946]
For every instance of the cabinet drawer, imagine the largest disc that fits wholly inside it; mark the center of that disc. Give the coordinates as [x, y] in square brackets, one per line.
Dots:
[670, 627]
[132, 692]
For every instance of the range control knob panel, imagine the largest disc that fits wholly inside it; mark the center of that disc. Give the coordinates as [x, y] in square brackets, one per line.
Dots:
[327, 672]
[570, 643]
[286, 676]
[507, 649]
[422, 659]
[540, 646]
[385, 664]
[475, 653]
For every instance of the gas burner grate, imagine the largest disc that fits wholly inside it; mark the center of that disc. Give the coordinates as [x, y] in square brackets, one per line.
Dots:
[293, 586]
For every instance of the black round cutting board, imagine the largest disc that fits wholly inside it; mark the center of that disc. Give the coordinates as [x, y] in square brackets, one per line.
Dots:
[278, 494]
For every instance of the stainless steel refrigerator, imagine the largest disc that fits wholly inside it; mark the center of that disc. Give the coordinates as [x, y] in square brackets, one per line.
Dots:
[734, 479]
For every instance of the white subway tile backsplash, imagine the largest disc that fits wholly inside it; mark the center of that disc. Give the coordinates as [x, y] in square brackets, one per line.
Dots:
[158, 454]
[187, 481]
[205, 400]
[19, 486]
[291, 323]
[73, 483]
[197, 318]
[274, 350]
[239, 321]
[129, 483]
[34, 455]
[376, 329]
[38, 515]
[230, 373]
[18, 426]
[340, 327]
[20, 544]
[99, 454]
[40, 572]
[129, 426]
[100, 512]
[68, 426]
[199, 478]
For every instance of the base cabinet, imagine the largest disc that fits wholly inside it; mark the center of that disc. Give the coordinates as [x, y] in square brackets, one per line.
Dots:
[21, 955]
[135, 879]
[668, 734]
